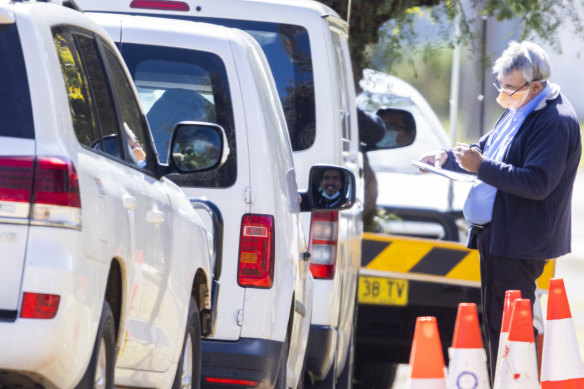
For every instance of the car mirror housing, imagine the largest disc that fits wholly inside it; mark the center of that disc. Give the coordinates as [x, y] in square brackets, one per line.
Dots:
[330, 188]
[197, 146]
[400, 129]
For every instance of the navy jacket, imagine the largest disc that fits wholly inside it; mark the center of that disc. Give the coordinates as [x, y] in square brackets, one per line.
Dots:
[533, 204]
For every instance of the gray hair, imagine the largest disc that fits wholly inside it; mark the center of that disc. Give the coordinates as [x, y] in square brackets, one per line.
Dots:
[527, 57]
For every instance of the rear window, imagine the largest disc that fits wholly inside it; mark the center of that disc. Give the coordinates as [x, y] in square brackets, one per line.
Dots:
[176, 85]
[15, 106]
[287, 48]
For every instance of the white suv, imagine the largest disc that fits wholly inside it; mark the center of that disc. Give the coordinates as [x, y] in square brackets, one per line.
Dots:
[103, 260]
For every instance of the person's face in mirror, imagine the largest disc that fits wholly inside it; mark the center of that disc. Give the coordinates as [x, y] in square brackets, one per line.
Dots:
[396, 123]
[331, 181]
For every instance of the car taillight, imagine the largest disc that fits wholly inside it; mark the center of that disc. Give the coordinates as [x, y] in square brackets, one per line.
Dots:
[16, 175]
[39, 306]
[48, 185]
[256, 251]
[231, 381]
[160, 5]
[323, 244]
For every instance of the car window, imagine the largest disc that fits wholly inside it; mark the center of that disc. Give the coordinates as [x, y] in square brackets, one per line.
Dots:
[75, 76]
[177, 85]
[134, 127]
[287, 48]
[15, 106]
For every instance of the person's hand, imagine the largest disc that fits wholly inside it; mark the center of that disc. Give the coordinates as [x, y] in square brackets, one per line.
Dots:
[437, 159]
[469, 158]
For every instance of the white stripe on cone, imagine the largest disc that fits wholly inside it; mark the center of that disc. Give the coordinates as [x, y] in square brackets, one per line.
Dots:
[426, 383]
[503, 336]
[561, 357]
[518, 368]
[467, 369]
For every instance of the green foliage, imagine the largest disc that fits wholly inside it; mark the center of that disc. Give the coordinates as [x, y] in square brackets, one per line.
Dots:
[538, 18]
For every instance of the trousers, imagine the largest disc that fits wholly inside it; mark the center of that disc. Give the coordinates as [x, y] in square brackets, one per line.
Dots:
[499, 274]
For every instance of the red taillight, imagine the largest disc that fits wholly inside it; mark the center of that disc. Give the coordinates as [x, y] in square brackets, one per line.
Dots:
[16, 175]
[56, 183]
[323, 244]
[160, 5]
[39, 306]
[256, 251]
[47, 185]
[231, 381]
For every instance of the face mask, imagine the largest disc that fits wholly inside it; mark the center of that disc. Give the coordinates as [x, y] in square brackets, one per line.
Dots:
[331, 197]
[514, 101]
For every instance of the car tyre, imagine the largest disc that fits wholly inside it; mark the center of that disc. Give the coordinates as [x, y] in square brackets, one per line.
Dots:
[100, 372]
[188, 372]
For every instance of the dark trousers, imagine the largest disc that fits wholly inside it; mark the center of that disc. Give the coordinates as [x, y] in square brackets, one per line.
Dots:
[499, 274]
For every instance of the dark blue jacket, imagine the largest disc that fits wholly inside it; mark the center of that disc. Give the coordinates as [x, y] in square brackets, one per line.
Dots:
[533, 204]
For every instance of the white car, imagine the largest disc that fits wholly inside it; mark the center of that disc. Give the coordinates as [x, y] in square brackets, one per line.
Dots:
[104, 261]
[423, 204]
[185, 70]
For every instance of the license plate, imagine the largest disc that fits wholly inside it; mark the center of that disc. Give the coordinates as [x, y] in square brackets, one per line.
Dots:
[383, 291]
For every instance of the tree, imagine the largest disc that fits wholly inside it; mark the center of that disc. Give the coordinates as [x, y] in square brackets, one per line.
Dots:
[539, 18]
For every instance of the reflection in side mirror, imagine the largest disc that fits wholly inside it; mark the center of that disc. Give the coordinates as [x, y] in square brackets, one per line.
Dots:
[401, 128]
[331, 188]
[198, 146]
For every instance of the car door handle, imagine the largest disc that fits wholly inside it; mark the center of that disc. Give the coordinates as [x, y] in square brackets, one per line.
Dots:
[129, 201]
[306, 256]
[155, 216]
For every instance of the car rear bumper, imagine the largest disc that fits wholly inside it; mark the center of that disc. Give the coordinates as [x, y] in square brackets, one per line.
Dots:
[240, 364]
[320, 351]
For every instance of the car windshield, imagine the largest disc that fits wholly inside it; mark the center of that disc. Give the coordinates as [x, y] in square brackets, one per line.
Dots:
[15, 106]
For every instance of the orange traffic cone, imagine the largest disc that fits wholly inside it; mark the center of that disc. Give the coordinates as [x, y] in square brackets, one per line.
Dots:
[426, 359]
[561, 366]
[468, 359]
[510, 297]
[518, 367]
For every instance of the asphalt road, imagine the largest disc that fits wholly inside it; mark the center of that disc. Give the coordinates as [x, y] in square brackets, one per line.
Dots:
[569, 267]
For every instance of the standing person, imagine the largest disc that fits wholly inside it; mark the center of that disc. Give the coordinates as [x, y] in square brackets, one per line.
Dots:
[520, 204]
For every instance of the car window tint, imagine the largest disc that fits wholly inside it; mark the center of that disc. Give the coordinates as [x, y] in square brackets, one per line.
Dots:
[177, 85]
[287, 48]
[104, 106]
[80, 100]
[15, 106]
[134, 127]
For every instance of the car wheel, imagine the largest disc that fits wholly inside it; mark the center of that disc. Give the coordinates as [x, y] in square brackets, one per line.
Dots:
[100, 372]
[188, 372]
[329, 382]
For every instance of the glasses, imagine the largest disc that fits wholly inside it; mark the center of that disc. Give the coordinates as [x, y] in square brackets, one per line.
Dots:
[508, 92]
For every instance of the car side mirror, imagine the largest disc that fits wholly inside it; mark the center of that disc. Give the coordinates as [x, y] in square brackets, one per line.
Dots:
[330, 188]
[400, 129]
[198, 146]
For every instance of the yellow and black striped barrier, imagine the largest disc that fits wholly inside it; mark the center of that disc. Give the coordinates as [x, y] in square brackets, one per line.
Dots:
[388, 262]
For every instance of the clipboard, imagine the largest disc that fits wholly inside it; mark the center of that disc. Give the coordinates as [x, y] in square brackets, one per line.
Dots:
[456, 176]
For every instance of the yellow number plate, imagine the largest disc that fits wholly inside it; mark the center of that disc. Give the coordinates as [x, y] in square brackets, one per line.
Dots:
[383, 291]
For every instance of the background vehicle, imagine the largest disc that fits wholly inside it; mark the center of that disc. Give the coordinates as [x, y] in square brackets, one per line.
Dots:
[305, 44]
[104, 260]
